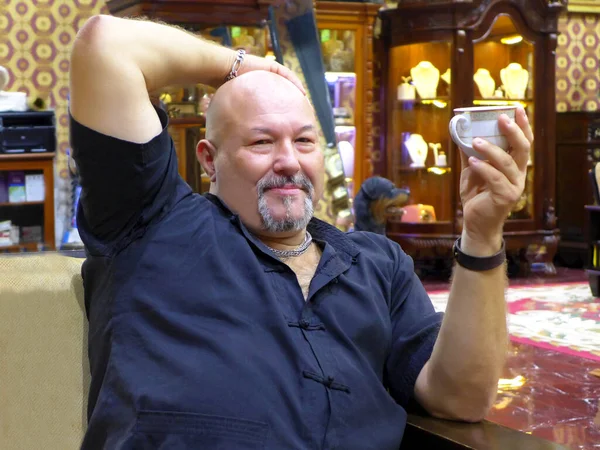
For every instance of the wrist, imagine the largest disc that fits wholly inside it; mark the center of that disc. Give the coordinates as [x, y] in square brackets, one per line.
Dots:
[480, 247]
[216, 63]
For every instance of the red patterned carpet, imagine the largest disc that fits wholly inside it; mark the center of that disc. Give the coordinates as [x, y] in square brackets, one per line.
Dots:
[561, 317]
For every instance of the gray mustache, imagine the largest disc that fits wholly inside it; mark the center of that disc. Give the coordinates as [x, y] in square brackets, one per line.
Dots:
[276, 181]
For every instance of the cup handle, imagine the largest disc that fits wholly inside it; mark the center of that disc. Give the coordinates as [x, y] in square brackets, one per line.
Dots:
[454, 134]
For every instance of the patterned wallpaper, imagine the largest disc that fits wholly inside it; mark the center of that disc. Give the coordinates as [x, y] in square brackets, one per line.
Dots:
[577, 56]
[35, 42]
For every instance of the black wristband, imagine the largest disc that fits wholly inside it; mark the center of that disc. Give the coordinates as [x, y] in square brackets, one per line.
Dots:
[478, 264]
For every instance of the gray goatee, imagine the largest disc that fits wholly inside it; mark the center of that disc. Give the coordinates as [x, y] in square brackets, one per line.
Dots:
[288, 223]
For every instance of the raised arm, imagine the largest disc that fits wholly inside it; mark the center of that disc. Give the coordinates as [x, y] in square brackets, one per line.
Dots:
[460, 380]
[125, 158]
[115, 63]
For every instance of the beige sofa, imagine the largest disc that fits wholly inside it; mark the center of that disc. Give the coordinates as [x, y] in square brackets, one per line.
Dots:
[44, 370]
[44, 375]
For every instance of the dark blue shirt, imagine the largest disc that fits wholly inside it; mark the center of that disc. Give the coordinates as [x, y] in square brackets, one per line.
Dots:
[199, 338]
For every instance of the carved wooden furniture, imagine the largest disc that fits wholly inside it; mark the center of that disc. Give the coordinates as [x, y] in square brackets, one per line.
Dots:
[351, 22]
[31, 213]
[186, 132]
[465, 36]
[577, 150]
[203, 13]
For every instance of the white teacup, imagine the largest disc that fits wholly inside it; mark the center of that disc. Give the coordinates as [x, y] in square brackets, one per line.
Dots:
[479, 122]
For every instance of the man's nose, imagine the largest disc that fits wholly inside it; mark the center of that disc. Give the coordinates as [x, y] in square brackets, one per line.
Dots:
[286, 159]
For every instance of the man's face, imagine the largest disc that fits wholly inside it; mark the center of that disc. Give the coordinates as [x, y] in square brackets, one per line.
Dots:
[268, 166]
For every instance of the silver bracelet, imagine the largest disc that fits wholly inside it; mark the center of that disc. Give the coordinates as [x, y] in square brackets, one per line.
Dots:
[239, 59]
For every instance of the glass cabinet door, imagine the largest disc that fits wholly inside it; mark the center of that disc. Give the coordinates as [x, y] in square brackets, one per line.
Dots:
[338, 50]
[193, 100]
[503, 74]
[418, 141]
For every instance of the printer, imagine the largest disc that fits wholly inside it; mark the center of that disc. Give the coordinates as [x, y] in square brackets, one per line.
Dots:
[27, 132]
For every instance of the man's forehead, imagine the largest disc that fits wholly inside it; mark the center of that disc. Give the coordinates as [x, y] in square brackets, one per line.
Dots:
[298, 128]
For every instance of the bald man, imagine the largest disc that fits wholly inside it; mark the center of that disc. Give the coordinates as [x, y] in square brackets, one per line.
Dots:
[236, 320]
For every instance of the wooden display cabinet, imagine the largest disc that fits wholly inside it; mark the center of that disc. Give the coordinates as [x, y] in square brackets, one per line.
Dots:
[346, 33]
[31, 213]
[577, 151]
[204, 13]
[186, 132]
[458, 38]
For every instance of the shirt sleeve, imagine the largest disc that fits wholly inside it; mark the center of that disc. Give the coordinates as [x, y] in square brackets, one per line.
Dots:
[415, 326]
[124, 185]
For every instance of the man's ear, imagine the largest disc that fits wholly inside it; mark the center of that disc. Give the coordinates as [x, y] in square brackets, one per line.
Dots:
[206, 153]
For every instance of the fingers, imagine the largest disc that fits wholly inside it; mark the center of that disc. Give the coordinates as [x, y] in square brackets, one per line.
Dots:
[519, 136]
[253, 62]
[500, 160]
[523, 122]
[504, 192]
[279, 69]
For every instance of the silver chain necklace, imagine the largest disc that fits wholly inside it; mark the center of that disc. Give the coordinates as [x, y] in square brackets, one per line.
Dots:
[301, 249]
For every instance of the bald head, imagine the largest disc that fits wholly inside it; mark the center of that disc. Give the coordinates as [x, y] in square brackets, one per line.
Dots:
[251, 94]
[262, 153]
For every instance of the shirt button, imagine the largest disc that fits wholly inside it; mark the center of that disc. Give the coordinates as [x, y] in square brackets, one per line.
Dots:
[304, 324]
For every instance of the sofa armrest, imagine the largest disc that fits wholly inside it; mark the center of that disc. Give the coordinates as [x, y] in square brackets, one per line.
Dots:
[423, 432]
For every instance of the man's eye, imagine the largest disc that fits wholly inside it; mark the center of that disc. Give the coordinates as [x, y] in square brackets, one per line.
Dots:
[261, 142]
[304, 140]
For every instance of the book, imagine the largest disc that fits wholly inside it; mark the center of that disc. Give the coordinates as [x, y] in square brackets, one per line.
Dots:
[34, 187]
[5, 229]
[16, 187]
[3, 187]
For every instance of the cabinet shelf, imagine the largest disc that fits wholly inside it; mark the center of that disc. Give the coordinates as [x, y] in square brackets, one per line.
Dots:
[33, 212]
[439, 102]
[434, 170]
[28, 246]
[502, 101]
[333, 76]
[3, 204]
[26, 156]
